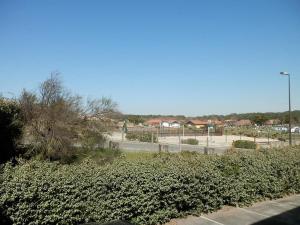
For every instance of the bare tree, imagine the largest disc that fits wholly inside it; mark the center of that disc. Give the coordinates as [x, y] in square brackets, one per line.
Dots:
[57, 120]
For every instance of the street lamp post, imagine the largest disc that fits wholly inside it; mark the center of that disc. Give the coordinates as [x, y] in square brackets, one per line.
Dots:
[290, 125]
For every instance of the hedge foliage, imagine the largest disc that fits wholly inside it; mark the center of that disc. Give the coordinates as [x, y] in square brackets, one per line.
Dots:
[142, 137]
[244, 144]
[11, 128]
[145, 191]
[190, 141]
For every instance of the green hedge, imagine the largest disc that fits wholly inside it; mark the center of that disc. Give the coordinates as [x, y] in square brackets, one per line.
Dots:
[142, 137]
[11, 128]
[149, 191]
[190, 141]
[244, 144]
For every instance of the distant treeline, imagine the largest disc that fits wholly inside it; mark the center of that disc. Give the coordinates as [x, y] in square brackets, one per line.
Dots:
[282, 116]
[268, 115]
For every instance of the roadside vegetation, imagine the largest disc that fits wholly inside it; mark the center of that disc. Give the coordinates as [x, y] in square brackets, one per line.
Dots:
[244, 144]
[259, 132]
[11, 129]
[190, 141]
[142, 137]
[144, 190]
[53, 124]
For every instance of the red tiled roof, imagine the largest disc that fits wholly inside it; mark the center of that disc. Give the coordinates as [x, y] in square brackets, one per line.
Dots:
[217, 122]
[153, 121]
[243, 123]
[198, 122]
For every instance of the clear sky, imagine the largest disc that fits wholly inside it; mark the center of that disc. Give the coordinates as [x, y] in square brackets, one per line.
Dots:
[157, 57]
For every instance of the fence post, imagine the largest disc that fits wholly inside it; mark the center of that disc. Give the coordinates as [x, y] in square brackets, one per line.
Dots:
[207, 136]
[179, 142]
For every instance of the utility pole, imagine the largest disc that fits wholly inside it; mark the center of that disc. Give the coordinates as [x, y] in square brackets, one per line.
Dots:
[290, 114]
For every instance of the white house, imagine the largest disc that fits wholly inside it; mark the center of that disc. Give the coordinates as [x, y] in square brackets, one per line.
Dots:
[170, 124]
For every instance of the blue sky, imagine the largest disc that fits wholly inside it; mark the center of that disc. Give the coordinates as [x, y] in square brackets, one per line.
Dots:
[157, 57]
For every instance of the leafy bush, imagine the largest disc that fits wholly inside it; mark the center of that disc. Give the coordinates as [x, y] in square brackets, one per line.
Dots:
[132, 136]
[281, 139]
[100, 155]
[149, 191]
[244, 144]
[142, 137]
[56, 120]
[190, 141]
[11, 127]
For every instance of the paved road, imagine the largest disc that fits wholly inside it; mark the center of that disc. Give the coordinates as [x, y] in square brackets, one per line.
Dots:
[285, 211]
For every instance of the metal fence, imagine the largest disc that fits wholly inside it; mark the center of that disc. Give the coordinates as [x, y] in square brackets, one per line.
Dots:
[168, 132]
[157, 147]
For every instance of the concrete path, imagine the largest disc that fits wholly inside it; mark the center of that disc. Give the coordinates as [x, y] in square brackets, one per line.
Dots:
[285, 211]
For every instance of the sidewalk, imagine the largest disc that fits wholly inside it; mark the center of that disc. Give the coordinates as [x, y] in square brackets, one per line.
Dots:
[285, 211]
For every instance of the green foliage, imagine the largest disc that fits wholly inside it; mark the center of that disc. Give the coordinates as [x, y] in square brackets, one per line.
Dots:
[244, 144]
[135, 119]
[262, 132]
[132, 136]
[142, 137]
[11, 128]
[99, 155]
[144, 191]
[57, 120]
[92, 139]
[190, 141]
[282, 116]
[259, 119]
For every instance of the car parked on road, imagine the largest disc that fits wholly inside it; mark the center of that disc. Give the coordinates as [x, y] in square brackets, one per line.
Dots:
[295, 130]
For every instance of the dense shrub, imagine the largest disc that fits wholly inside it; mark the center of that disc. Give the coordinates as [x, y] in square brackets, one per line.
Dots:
[57, 120]
[244, 144]
[132, 136]
[142, 137]
[100, 155]
[149, 191]
[281, 139]
[190, 141]
[11, 127]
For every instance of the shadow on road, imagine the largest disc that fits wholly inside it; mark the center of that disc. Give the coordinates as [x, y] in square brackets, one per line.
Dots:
[291, 217]
[117, 222]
